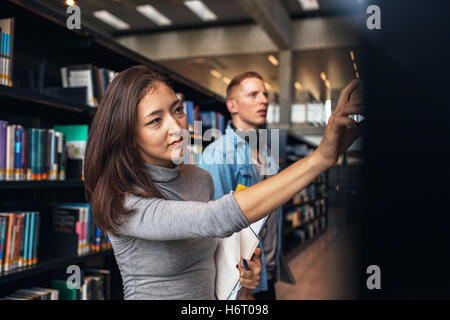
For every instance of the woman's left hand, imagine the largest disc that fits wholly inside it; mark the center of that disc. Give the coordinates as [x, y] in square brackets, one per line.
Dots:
[250, 278]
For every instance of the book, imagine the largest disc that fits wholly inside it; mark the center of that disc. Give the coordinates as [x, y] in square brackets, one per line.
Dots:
[6, 51]
[228, 253]
[105, 274]
[3, 128]
[65, 293]
[3, 229]
[75, 146]
[10, 136]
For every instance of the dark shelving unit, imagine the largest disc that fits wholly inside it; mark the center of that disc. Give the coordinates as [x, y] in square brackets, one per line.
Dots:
[291, 243]
[42, 45]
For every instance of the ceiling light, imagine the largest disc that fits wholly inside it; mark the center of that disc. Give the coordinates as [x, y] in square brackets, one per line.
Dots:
[215, 74]
[308, 5]
[200, 9]
[110, 19]
[226, 80]
[323, 76]
[273, 60]
[298, 85]
[69, 3]
[154, 15]
[354, 66]
[268, 86]
[352, 55]
[357, 74]
[327, 83]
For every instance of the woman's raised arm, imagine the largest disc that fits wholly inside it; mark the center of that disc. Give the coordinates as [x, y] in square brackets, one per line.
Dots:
[341, 131]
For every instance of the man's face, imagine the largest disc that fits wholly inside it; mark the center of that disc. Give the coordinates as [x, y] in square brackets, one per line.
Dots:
[248, 102]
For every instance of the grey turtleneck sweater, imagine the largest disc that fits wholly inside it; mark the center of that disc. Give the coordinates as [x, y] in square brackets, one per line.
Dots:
[166, 248]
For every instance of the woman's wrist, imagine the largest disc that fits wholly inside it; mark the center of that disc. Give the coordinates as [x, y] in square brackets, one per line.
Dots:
[320, 162]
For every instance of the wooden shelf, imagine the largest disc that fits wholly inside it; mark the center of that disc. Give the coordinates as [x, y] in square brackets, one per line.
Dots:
[46, 266]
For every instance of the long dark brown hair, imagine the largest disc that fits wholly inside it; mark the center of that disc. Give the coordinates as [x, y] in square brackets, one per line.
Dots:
[113, 167]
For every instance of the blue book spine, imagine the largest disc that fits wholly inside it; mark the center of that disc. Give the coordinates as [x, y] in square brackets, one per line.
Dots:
[34, 153]
[25, 245]
[190, 114]
[30, 242]
[17, 149]
[22, 153]
[36, 237]
[98, 239]
[2, 240]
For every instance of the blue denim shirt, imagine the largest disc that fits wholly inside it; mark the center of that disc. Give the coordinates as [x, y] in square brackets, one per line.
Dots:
[227, 176]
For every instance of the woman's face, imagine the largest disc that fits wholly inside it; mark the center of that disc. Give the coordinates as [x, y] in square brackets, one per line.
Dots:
[160, 121]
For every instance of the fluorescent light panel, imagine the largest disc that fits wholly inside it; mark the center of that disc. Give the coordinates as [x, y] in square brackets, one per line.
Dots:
[154, 15]
[226, 80]
[200, 10]
[273, 60]
[298, 85]
[268, 86]
[352, 55]
[111, 19]
[309, 5]
[215, 73]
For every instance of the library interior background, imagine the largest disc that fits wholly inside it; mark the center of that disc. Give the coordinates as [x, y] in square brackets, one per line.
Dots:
[54, 76]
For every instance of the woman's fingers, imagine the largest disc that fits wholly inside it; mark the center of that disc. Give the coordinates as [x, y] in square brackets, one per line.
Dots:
[344, 97]
[346, 122]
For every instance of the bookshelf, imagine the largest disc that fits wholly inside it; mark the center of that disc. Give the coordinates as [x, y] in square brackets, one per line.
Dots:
[305, 216]
[42, 46]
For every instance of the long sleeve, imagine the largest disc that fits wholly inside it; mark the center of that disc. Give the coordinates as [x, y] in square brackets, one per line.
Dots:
[159, 219]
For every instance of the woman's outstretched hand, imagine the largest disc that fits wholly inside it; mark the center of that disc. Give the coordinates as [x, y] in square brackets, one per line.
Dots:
[341, 131]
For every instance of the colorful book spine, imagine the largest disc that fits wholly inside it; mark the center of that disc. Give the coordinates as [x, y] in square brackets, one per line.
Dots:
[17, 149]
[26, 238]
[40, 152]
[3, 128]
[24, 153]
[34, 153]
[13, 242]
[30, 239]
[10, 133]
[29, 153]
[3, 222]
[36, 238]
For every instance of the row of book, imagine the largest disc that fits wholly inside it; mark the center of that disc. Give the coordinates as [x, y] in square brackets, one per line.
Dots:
[93, 78]
[76, 218]
[6, 51]
[19, 239]
[300, 215]
[96, 285]
[42, 154]
[31, 154]
[305, 195]
[209, 119]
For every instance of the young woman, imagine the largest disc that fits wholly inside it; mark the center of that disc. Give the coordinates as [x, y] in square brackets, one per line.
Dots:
[160, 217]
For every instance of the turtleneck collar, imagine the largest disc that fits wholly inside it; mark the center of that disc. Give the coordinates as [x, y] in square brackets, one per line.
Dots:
[163, 174]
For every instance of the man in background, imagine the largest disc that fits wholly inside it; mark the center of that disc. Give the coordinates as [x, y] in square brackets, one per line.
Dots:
[247, 101]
